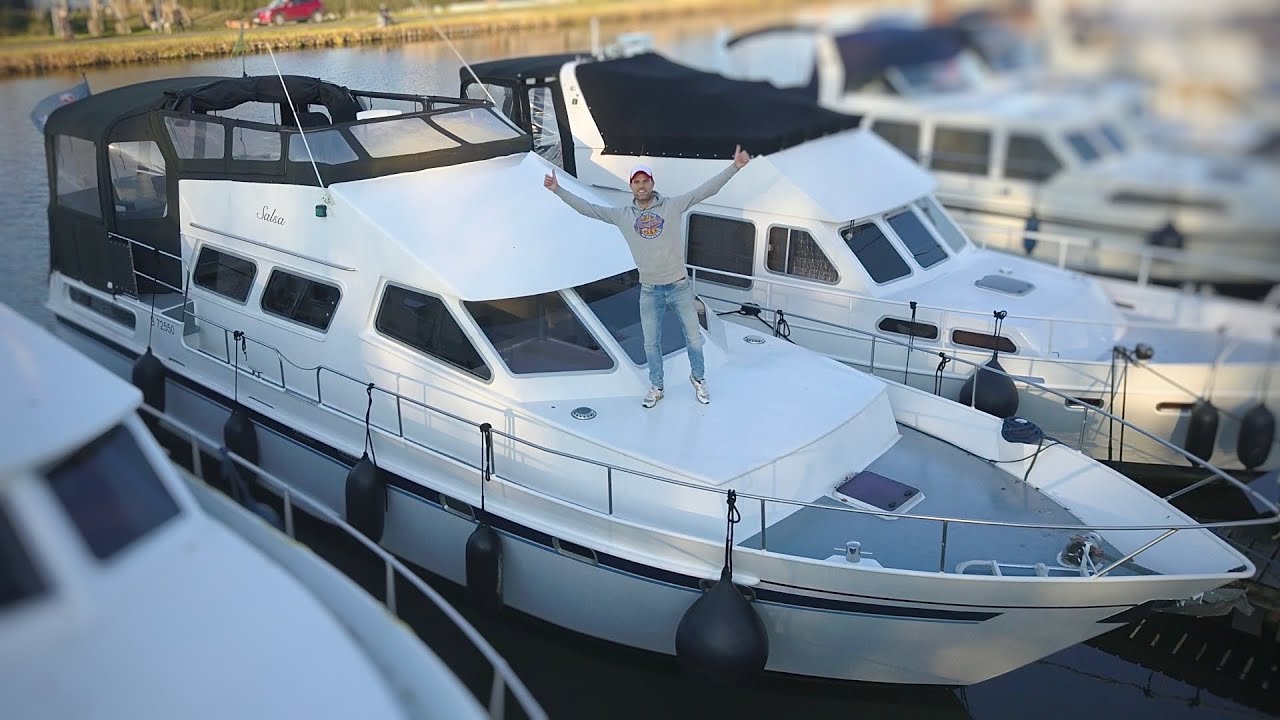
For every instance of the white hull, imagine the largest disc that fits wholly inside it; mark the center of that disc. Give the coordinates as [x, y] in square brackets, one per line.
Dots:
[848, 623]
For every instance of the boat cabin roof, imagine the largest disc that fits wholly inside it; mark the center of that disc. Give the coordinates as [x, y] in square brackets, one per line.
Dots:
[648, 105]
[532, 69]
[60, 397]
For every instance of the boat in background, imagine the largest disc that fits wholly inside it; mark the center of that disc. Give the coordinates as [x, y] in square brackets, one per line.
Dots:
[130, 591]
[839, 234]
[1019, 159]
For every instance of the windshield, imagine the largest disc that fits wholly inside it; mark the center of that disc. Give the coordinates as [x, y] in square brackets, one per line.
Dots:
[616, 302]
[924, 249]
[111, 493]
[954, 74]
[942, 223]
[1113, 136]
[1083, 149]
[539, 334]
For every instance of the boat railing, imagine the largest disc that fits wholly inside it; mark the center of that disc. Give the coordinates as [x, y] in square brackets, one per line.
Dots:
[608, 471]
[1144, 255]
[948, 319]
[292, 500]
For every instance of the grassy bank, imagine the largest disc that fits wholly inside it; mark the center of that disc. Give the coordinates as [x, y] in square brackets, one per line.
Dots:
[36, 56]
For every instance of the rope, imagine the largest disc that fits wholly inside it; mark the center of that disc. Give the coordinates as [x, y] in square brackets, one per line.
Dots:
[937, 374]
[733, 517]
[368, 431]
[486, 459]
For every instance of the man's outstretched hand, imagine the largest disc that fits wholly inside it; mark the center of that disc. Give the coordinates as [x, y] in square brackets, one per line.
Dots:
[550, 182]
[740, 157]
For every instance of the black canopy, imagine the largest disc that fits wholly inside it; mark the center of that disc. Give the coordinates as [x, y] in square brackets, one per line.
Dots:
[648, 105]
[513, 71]
[93, 117]
[865, 55]
[303, 91]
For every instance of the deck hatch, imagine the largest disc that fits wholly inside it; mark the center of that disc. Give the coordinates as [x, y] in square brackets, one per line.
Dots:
[877, 492]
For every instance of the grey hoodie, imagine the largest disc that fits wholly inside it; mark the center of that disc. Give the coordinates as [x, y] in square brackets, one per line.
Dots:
[655, 234]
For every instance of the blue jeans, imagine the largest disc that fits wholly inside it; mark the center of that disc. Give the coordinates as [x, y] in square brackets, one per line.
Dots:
[654, 301]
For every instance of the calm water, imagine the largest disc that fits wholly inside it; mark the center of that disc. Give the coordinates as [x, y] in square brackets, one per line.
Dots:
[574, 676]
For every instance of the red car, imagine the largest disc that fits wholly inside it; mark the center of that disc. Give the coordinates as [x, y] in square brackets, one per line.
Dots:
[282, 11]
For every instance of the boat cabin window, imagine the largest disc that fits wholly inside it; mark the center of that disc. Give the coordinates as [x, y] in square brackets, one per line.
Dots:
[407, 136]
[253, 144]
[328, 147]
[722, 244]
[1084, 149]
[544, 126]
[111, 493]
[476, 125]
[1029, 158]
[962, 151]
[1167, 200]
[878, 256]
[539, 334]
[983, 340]
[225, 274]
[301, 300]
[904, 136]
[424, 323]
[942, 223]
[138, 180]
[19, 579]
[911, 328]
[1115, 137]
[196, 139]
[105, 308]
[924, 248]
[616, 303]
[504, 98]
[77, 180]
[793, 252]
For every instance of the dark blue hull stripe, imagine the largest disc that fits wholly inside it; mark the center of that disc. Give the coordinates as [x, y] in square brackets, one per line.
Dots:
[801, 598]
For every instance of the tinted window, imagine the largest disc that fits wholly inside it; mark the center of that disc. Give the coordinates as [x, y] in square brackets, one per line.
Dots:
[302, 300]
[328, 147]
[111, 493]
[424, 323]
[476, 125]
[983, 340]
[875, 252]
[794, 252]
[196, 139]
[942, 222]
[964, 151]
[616, 302]
[904, 136]
[1029, 158]
[251, 144]
[722, 244]
[137, 180]
[18, 577]
[224, 274]
[1135, 197]
[909, 327]
[106, 308]
[77, 181]
[388, 138]
[924, 249]
[1084, 149]
[1114, 137]
[539, 334]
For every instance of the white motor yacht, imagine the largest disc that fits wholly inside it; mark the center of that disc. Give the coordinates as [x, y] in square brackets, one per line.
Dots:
[129, 592]
[844, 236]
[373, 298]
[1011, 159]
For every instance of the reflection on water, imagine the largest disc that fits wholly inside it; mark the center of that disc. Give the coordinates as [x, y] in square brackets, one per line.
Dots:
[575, 676]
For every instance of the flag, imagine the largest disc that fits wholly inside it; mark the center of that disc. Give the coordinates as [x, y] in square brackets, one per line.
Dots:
[43, 109]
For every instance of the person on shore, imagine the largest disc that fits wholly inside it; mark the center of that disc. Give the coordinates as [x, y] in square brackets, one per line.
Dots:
[653, 226]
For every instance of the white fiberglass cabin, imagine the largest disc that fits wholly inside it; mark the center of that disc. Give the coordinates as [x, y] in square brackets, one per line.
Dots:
[127, 592]
[441, 350]
[1002, 154]
[841, 233]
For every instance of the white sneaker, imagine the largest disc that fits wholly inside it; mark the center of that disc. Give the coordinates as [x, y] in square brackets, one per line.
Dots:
[700, 388]
[652, 397]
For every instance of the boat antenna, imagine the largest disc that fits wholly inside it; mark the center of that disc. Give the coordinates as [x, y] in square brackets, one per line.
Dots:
[320, 209]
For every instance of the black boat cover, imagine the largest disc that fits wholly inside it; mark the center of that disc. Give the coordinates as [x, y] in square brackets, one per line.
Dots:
[866, 55]
[649, 105]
